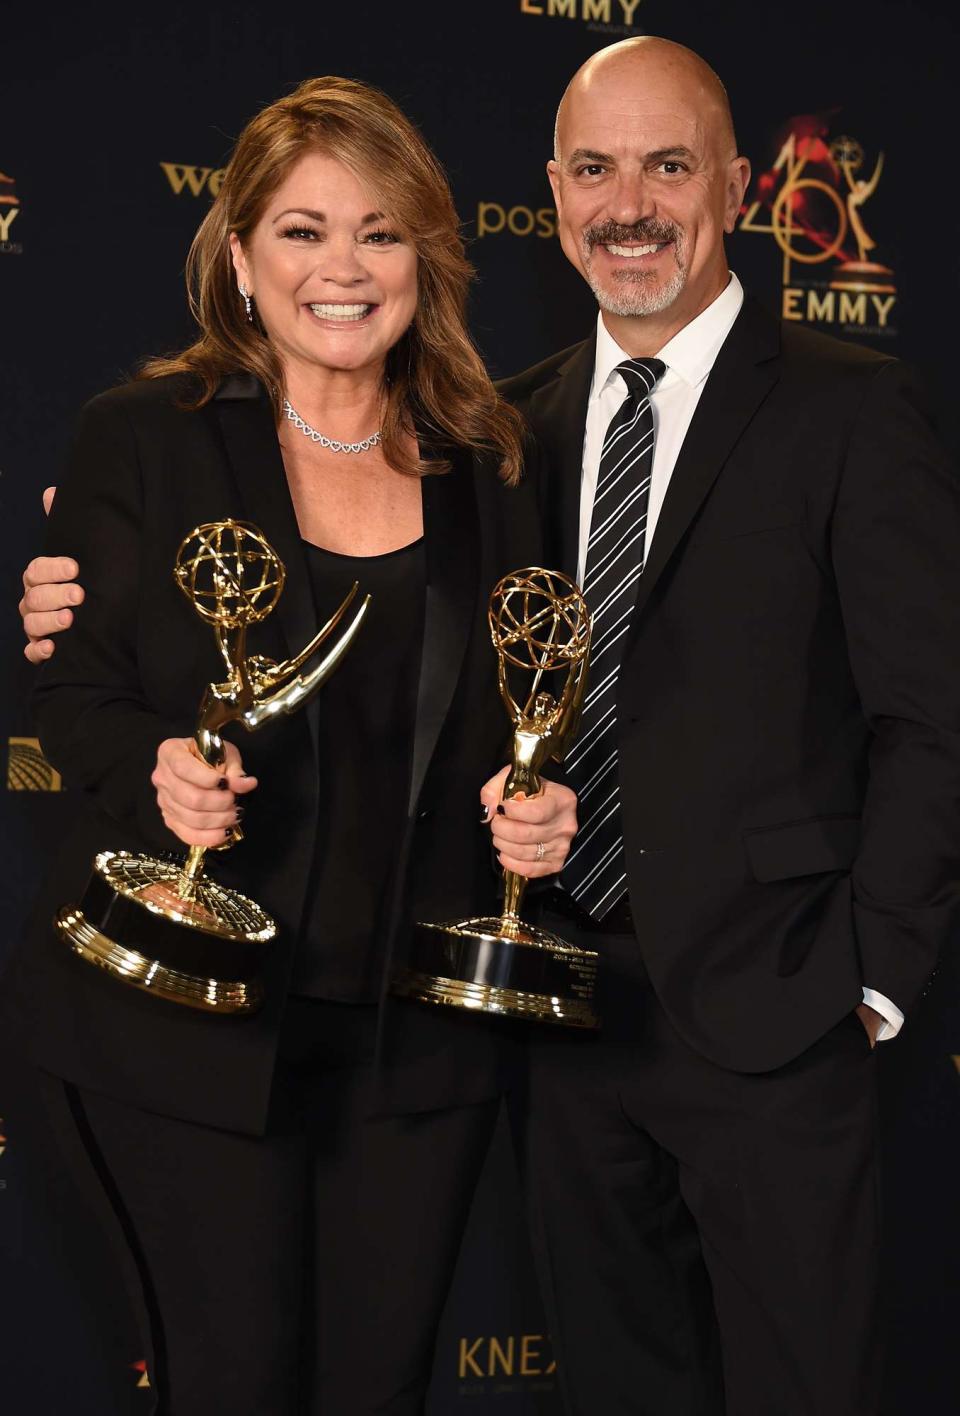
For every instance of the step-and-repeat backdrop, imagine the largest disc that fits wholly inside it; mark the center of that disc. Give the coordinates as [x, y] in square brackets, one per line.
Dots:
[117, 121]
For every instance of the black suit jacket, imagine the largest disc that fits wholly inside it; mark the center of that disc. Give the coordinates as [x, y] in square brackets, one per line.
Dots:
[789, 699]
[144, 472]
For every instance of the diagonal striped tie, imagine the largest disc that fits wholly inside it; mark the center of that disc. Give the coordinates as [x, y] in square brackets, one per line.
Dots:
[594, 873]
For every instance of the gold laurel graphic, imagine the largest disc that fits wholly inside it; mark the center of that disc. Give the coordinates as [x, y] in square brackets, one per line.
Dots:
[28, 770]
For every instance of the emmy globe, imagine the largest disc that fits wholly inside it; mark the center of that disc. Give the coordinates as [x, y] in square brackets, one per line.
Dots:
[539, 624]
[163, 926]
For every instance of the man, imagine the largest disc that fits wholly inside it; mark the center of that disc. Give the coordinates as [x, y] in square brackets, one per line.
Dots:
[769, 779]
[768, 773]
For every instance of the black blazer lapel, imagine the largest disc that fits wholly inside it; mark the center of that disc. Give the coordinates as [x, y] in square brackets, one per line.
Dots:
[451, 540]
[741, 378]
[245, 417]
[557, 413]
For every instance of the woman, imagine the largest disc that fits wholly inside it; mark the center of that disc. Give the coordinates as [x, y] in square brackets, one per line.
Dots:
[283, 1186]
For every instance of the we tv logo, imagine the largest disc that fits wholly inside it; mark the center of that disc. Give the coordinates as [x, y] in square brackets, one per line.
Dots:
[193, 180]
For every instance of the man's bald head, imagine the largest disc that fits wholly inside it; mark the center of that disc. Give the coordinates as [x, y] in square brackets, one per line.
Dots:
[648, 62]
[647, 181]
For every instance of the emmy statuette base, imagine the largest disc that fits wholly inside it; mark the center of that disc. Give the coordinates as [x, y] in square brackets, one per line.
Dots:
[475, 965]
[864, 276]
[212, 995]
[203, 952]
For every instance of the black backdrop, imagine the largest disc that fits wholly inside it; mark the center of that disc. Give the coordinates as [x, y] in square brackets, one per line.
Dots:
[115, 123]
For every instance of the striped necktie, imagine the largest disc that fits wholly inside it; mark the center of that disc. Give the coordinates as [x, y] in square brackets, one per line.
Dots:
[594, 873]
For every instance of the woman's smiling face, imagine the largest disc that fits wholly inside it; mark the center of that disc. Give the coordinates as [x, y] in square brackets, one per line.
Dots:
[335, 282]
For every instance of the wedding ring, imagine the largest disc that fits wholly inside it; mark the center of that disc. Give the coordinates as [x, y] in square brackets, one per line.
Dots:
[541, 850]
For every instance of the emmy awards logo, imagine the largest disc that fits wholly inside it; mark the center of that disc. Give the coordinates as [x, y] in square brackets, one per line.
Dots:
[168, 928]
[814, 196]
[539, 624]
[9, 211]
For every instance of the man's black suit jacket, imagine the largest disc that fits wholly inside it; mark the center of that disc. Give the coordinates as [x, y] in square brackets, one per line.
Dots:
[789, 699]
[144, 472]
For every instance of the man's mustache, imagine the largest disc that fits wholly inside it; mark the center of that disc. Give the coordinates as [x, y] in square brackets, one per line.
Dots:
[647, 231]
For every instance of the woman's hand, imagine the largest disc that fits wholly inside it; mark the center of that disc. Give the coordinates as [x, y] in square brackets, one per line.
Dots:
[199, 803]
[531, 837]
[47, 597]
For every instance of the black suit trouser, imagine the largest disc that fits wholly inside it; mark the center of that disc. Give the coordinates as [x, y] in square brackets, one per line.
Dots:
[303, 1272]
[678, 1208]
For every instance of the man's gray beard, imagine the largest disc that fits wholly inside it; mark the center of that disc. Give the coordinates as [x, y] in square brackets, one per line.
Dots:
[635, 296]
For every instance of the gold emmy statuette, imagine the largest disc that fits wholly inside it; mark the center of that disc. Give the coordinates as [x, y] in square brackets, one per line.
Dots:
[164, 926]
[864, 273]
[539, 622]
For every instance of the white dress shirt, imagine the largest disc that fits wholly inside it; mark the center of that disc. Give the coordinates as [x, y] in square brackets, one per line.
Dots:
[689, 357]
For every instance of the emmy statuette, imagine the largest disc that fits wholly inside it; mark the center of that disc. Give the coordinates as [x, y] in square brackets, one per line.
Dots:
[539, 623]
[166, 927]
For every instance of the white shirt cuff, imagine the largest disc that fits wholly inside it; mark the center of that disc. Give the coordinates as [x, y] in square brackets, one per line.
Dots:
[892, 1017]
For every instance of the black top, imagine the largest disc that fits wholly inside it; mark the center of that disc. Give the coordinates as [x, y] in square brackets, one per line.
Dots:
[367, 713]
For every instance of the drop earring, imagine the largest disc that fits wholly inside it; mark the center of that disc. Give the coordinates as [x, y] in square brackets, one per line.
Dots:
[247, 301]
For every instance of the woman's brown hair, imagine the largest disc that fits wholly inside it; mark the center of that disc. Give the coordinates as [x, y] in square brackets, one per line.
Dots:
[437, 386]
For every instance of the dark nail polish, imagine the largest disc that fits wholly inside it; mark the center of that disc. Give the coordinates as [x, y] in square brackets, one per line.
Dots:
[240, 811]
[501, 811]
[485, 816]
[221, 784]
